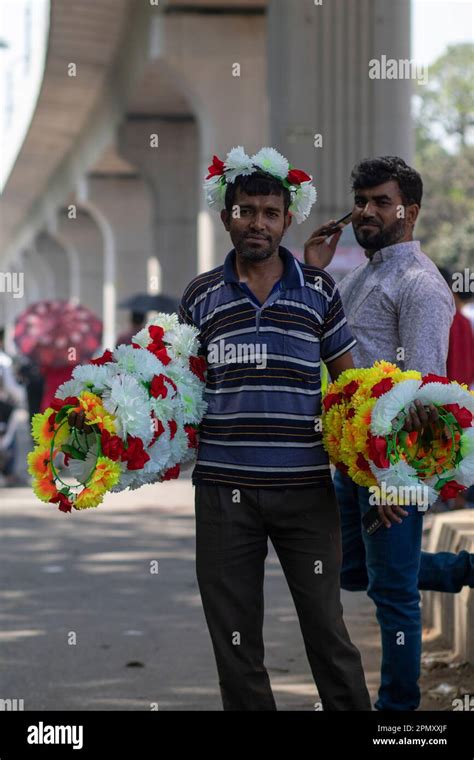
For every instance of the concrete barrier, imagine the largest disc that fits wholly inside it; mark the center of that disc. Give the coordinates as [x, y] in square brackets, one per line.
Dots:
[452, 615]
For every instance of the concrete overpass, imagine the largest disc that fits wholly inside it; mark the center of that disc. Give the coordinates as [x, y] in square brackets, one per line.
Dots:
[105, 197]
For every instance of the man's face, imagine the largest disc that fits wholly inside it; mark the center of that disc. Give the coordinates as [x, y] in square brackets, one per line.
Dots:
[380, 218]
[257, 229]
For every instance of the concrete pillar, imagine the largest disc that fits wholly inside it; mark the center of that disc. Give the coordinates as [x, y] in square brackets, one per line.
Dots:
[59, 265]
[318, 75]
[170, 170]
[82, 235]
[125, 204]
[218, 62]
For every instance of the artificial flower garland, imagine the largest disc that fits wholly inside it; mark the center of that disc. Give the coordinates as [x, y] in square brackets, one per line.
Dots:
[221, 173]
[364, 442]
[142, 405]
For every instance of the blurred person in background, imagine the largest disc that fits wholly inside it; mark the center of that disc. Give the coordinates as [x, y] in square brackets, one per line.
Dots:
[12, 399]
[137, 321]
[460, 361]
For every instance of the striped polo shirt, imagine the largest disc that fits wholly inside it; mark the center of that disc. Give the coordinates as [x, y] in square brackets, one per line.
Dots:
[263, 380]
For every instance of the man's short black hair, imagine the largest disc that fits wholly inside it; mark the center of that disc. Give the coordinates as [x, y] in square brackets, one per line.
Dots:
[375, 171]
[258, 183]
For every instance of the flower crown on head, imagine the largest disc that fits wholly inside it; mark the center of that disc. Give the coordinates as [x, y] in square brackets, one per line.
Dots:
[237, 163]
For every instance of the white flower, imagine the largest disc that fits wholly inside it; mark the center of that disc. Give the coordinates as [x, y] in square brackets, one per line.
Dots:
[237, 163]
[129, 401]
[164, 408]
[164, 320]
[136, 361]
[159, 454]
[390, 404]
[70, 388]
[91, 376]
[272, 162]
[302, 201]
[215, 191]
[178, 446]
[183, 341]
[442, 393]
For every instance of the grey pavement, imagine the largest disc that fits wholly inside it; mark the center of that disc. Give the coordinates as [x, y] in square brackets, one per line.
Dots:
[141, 640]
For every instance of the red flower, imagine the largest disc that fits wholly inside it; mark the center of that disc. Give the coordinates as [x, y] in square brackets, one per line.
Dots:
[58, 403]
[135, 455]
[463, 416]
[330, 399]
[158, 388]
[362, 463]
[382, 387]
[451, 489]
[162, 355]
[198, 365]
[296, 177]
[216, 168]
[173, 428]
[107, 356]
[435, 379]
[378, 451]
[172, 473]
[350, 388]
[159, 429]
[192, 436]
[351, 413]
[156, 334]
[64, 503]
[112, 446]
[157, 347]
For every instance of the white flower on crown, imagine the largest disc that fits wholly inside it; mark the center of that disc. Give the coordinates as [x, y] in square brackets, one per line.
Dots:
[302, 201]
[238, 163]
[215, 191]
[269, 160]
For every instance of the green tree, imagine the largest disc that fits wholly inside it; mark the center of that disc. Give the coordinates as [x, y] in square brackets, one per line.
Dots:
[445, 109]
[447, 100]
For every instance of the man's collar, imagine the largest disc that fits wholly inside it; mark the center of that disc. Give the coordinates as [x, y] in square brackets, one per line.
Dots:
[292, 274]
[410, 247]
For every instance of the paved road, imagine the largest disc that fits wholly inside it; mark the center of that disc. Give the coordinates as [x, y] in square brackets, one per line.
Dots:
[140, 637]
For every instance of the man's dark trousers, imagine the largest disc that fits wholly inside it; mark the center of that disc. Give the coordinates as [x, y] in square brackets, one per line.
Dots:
[232, 528]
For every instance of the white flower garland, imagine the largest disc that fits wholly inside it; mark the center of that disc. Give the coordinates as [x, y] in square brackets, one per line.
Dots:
[237, 163]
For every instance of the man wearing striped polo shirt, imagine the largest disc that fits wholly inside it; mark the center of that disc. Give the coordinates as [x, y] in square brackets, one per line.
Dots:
[265, 324]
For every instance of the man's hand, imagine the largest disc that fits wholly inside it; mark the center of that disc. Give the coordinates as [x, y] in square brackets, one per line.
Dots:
[78, 420]
[317, 251]
[390, 515]
[418, 417]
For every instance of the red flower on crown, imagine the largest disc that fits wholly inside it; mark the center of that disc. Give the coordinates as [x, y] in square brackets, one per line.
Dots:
[216, 168]
[296, 177]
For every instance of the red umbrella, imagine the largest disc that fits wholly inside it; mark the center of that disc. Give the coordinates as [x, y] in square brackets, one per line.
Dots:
[47, 330]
